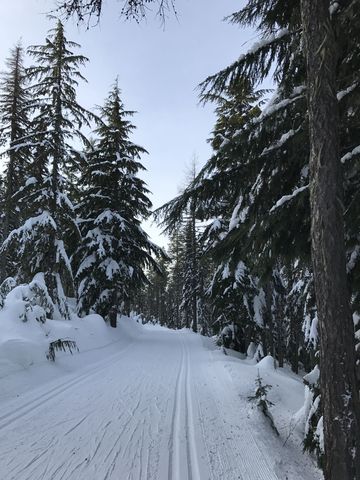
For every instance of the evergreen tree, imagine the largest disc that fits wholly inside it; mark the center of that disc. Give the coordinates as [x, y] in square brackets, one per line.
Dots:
[190, 291]
[115, 251]
[39, 242]
[153, 299]
[15, 105]
[176, 278]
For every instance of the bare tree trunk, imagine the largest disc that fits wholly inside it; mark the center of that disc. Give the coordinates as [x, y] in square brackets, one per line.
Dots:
[337, 350]
[195, 269]
[268, 338]
[112, 316]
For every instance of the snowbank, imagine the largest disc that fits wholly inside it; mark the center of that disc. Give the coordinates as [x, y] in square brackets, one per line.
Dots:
[25, 335]
[23, 344]
[267, 363]
[286, 394]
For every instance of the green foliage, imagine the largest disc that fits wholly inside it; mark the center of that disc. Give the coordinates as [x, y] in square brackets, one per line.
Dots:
[311, 442]
[6, 286]
[262, 402]
[60, 345]
[48, 217]
[115, 252]
[15, 106]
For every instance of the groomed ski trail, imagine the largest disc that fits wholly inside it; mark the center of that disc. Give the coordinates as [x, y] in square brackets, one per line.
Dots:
[162, 408]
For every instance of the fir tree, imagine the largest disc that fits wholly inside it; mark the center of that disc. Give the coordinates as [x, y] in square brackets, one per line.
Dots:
[176, 278]
[39, 242]
[115, 251]
[190, 274]
[15, 105]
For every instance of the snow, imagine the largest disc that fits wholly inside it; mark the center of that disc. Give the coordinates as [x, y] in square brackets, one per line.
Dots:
[240, 271]
[27, 229]
[287, 198]
[86, 263]
[226, 271]
[109, 216]
[267, 363]
[139, 403]
[111, 267]
[251, 350]
[275, 104]
[265, 42]
[340, 95]
[283, 139]
[61, 254]
[234, 221]
[353, 259]
[313, 377]
[349, 155]
[313, 335]
[259, 303]
[334, 6]
[30, 181]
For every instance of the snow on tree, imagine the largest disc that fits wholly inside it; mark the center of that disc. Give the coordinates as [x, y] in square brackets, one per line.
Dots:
[39, 242]
[15, 106]
[115, 252]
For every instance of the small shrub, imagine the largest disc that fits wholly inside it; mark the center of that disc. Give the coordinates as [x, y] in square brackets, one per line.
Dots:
[262, 402]
[60, 345]
[7, 285]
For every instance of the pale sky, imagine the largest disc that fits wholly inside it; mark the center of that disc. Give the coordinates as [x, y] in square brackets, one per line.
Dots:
[158, 72]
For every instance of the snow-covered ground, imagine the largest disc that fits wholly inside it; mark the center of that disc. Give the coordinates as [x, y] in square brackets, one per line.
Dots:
[144, 403]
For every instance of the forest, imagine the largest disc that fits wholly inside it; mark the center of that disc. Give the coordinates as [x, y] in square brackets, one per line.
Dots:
[263, 253]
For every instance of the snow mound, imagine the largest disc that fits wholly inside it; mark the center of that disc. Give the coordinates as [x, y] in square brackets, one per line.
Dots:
[251, 351]
[267, 363]
[26, 332]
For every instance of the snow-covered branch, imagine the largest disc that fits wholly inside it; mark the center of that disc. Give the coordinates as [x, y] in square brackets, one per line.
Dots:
[287, 198]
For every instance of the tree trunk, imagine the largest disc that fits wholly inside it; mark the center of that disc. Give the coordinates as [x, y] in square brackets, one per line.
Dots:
[112, 316]
[337, 353]
[268, 339]
[195, 269]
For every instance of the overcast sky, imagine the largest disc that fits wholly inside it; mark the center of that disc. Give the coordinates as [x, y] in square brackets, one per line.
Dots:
[158, 72]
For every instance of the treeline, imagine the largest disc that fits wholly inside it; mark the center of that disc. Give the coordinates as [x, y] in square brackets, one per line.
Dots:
[246, 272]
[72, 202]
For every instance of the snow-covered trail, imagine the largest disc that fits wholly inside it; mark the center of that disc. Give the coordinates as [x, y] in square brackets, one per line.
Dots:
[161, 408]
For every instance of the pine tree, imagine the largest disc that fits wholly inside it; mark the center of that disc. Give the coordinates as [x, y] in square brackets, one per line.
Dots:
[115, 251]
[39, 242]
[283, 45]
[190, 290]
[153, 299]
[15, 105]
[176, 278]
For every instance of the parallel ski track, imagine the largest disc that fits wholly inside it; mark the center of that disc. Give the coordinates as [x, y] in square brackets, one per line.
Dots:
[194, 470]
[167, 411]
[46, 395]
[174, 444]
[183, 402]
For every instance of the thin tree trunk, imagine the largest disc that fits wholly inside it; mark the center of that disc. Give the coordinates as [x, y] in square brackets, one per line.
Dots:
[337, 353]
[195, 269]
[268, 340]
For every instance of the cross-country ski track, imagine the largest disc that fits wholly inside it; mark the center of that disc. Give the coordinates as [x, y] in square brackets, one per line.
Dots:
[162, 407]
